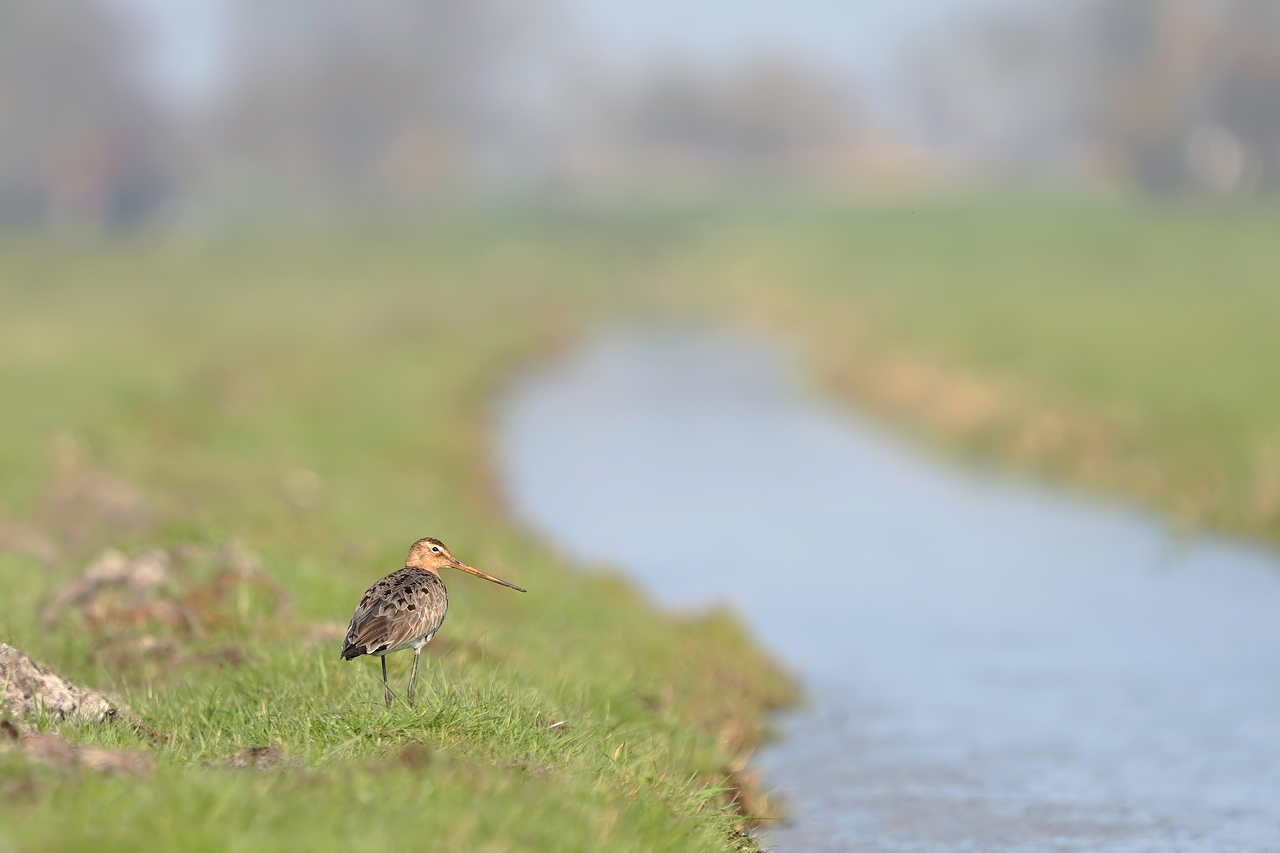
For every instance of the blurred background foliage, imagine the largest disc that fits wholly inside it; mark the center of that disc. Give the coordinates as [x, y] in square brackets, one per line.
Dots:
[336, 107]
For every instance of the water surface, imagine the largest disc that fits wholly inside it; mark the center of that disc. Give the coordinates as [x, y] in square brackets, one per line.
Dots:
[990, 666]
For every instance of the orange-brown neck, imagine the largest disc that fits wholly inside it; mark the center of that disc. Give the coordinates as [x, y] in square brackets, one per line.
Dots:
[422, 567]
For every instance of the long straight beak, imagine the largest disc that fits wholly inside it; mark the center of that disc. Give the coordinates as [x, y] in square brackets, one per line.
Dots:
[471, 570]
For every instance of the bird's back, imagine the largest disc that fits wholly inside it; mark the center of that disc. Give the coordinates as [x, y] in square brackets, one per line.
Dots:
[403, 609]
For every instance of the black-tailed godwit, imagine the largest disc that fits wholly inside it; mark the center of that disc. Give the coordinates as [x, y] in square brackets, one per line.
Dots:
[406, 608]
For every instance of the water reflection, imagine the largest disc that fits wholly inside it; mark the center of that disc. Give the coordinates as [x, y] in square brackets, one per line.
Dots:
[991, 666]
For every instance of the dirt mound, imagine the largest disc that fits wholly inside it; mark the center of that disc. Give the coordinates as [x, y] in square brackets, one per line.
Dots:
[31, 689]
[169, 607]
[51, 749]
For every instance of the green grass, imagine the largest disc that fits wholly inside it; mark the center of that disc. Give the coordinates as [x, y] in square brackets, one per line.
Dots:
[1129, 348]
[207, 377]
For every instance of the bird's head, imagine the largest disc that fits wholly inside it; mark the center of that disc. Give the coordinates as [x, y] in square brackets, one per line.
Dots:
[432, 555]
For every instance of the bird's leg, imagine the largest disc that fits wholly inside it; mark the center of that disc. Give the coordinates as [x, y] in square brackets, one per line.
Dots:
[413, 676]
[386, 687]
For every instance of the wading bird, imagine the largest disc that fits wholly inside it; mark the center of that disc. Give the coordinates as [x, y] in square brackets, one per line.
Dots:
[406, 608]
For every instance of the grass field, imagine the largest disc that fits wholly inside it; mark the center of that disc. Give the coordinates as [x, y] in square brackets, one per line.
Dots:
[1130, 349]
[323, 402]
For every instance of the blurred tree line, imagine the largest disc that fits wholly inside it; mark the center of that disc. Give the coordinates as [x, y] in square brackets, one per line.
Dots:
[81, 140]
[353, 106]
[1158, 95]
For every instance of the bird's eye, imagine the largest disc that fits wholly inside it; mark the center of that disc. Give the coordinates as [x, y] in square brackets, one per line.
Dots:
[436, 549]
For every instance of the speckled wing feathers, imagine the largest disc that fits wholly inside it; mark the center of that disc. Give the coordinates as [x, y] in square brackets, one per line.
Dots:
[399, 611]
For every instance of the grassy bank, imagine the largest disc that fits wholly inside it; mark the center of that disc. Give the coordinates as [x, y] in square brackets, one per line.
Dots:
[285, 417]
[1129, 349]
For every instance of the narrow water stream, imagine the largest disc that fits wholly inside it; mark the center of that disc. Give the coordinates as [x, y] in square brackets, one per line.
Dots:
[990, 666]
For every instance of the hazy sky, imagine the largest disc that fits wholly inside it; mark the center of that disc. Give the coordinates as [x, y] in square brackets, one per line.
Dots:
[186, 39]
[857, 36]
